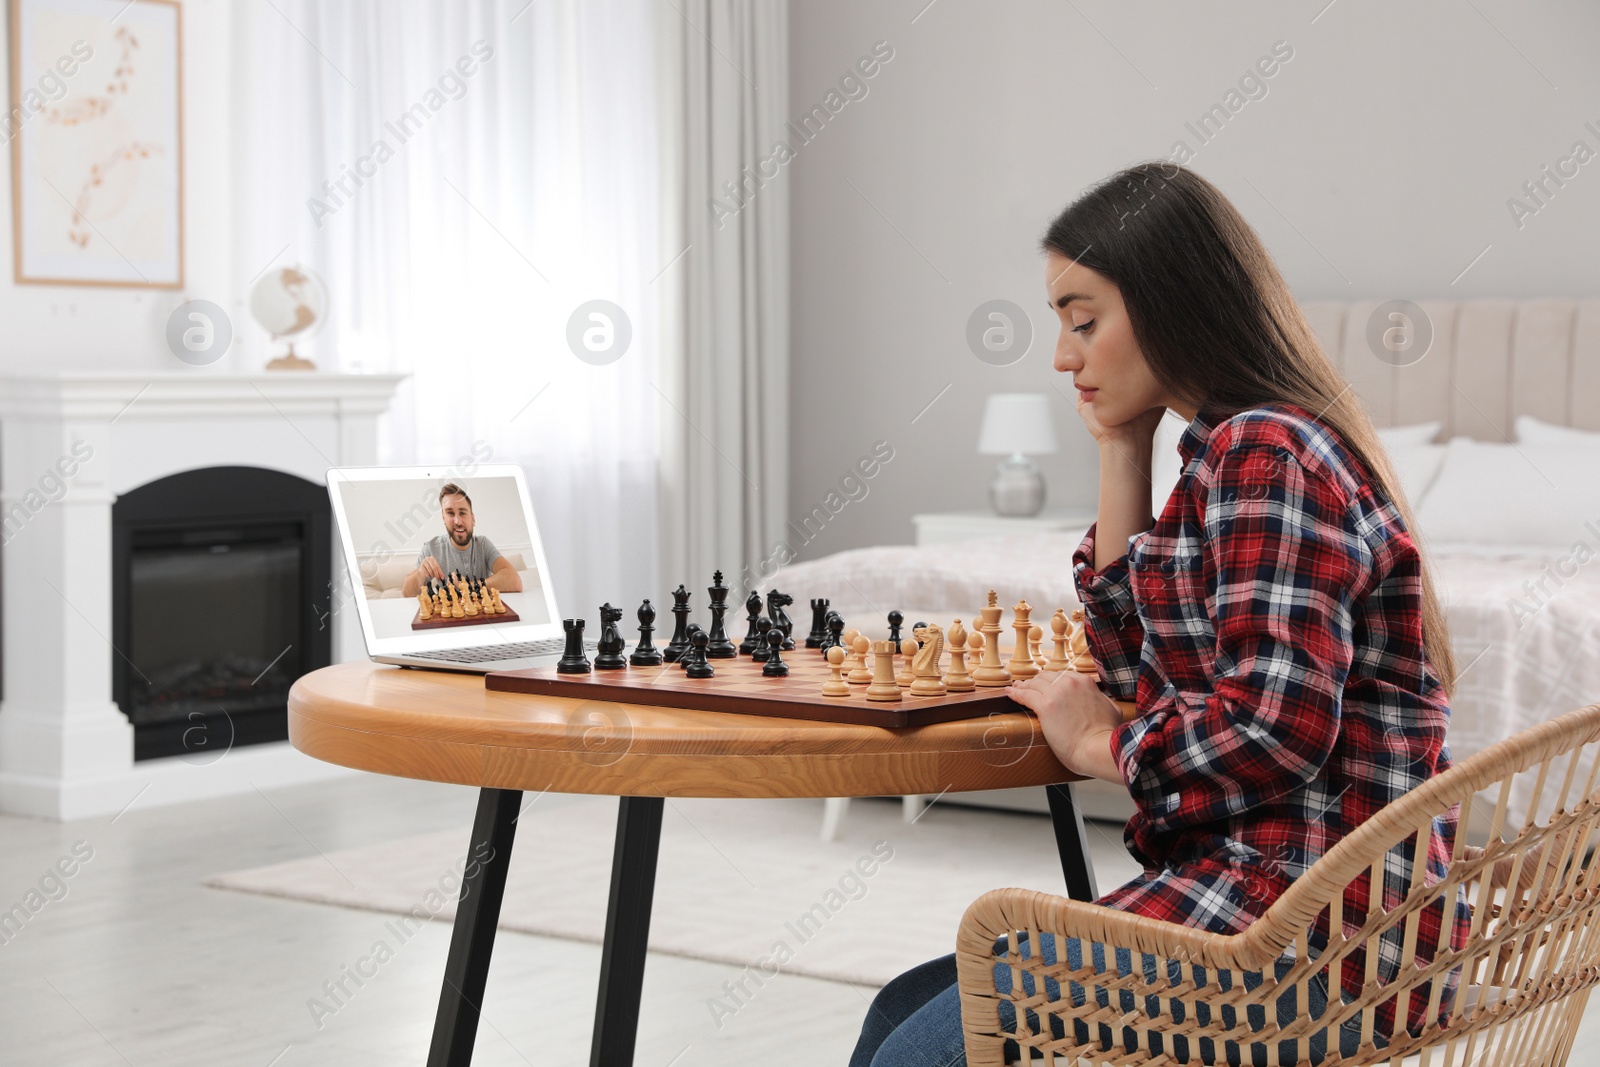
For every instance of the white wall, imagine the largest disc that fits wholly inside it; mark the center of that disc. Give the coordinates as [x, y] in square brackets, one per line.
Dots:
[45, 328]
[388, 516]
[1379, 163]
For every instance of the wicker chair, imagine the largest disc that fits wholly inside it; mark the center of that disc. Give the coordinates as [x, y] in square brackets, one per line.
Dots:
[1525, 971]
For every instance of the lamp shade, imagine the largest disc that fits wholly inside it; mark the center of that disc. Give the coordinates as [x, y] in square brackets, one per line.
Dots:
[1017, 422]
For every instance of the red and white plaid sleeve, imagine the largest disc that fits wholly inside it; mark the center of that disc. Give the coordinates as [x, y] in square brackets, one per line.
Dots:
[1287, 565]
[1111, 621]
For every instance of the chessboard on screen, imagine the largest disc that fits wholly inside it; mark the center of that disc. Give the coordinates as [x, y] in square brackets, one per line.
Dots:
[443, 553]
[921, 674]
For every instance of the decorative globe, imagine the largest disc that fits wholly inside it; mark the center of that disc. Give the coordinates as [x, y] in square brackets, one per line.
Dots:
[291, 304]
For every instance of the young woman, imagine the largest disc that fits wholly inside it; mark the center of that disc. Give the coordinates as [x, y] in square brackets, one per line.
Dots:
[1276, 625]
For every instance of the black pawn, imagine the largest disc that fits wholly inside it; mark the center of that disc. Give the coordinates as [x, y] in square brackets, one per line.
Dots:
[752, 608]
[686, 660]
[775, 667]
[762, 651]
[819, 623]
[895, 619]
[835, 635]
[608, 650]
[680, 628]
[646, 654]
[573, 661]
[717, 644]
[700, 667]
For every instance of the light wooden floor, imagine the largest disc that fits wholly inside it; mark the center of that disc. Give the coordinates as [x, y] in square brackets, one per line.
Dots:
[139, 964]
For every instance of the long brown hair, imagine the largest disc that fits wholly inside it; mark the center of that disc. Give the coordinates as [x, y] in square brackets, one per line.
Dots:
[1218, 326]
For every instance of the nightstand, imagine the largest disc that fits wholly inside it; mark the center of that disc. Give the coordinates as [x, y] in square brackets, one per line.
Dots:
[937, 528]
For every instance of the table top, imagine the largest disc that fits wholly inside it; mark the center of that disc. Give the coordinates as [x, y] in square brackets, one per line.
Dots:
[444, 726]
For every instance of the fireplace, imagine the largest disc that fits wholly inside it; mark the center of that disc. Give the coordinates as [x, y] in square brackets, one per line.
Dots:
[220, 583]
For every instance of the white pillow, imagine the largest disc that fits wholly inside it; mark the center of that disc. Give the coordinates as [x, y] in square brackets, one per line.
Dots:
[1532, 431]
[1535, 495]
[1418, 466]
[1418, 433]
[1166, 462]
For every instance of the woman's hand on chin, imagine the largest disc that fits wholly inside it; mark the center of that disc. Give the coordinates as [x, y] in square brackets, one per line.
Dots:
[1141, 429]
[1076, 719]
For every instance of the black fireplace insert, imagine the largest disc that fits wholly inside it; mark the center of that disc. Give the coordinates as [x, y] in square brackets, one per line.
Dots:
[218, 576]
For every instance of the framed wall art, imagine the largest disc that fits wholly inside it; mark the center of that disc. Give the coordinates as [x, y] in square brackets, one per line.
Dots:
[96, 134]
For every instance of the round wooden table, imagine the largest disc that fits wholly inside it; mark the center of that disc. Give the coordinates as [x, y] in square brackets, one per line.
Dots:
[445, 726]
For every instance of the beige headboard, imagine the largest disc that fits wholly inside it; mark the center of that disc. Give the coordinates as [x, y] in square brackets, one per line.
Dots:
[1490, 361]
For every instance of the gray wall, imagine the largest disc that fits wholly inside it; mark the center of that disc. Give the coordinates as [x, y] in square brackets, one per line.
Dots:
[1379, 163]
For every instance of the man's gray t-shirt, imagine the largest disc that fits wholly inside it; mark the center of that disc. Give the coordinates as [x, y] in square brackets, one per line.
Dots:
[474, 561]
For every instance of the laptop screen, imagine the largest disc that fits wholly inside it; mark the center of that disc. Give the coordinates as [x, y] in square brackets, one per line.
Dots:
[467, 543]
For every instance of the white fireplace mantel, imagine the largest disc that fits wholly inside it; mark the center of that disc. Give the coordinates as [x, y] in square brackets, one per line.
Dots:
[69, 445]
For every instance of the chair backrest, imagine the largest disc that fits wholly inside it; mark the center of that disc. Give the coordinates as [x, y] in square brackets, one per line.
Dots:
[1507, 983]
[1530, 948]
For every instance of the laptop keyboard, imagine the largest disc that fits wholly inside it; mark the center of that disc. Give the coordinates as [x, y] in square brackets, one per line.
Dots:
[519, 650]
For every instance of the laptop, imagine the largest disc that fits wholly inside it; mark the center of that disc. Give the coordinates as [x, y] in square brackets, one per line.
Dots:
[473, 520]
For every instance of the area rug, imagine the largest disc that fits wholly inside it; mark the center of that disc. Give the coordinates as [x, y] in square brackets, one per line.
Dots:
[746, 883]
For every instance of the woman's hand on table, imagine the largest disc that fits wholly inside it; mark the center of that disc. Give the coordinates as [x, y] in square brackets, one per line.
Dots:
[1076, 718]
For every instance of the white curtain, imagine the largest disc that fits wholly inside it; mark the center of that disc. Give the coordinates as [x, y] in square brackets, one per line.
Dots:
[726, 427]
[465, 175]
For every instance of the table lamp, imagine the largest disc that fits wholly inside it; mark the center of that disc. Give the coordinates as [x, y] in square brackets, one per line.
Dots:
[1016, 425]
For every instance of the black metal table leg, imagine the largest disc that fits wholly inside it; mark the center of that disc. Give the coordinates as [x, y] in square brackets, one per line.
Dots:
[1072, 842]
[633, 883]
[466, 969]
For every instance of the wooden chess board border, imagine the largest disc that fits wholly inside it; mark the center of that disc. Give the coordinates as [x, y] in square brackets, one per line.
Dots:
[437, 623]
[739, 688]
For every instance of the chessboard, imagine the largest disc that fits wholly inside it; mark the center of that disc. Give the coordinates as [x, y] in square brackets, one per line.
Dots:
[906, 670]
[739, 687]
[441, 623]
[440, 598]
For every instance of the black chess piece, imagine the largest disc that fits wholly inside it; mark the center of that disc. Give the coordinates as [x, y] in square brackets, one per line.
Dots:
[752, 607]
[646, 654]
[895, 619]
[608, 650]
[835, 635]
[680, 628]
[819, 623]
[761, 652]
[573, 661]
[686, 659]
[775, 667]
[776, 602]
[717, 644]
[700, 666]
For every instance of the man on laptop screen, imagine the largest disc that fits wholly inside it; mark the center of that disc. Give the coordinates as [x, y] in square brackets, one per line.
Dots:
[460, 550]
[400, 527]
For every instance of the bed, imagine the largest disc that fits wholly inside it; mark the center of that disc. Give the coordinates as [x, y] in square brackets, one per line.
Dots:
[1495, 433]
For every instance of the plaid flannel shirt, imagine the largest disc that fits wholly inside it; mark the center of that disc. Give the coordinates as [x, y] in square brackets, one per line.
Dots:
[1269, 630]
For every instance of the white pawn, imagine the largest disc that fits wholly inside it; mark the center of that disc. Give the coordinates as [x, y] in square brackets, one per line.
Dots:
[957, 679]
[859, 675]
[908, 649]
[835, 686]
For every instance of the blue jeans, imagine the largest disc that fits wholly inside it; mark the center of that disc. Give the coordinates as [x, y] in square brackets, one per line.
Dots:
[915, 1020]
